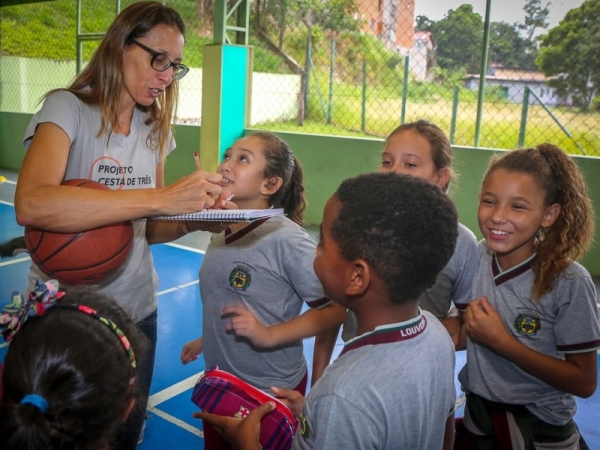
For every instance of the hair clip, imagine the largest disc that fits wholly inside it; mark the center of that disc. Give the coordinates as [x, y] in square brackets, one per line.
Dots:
[44, 296]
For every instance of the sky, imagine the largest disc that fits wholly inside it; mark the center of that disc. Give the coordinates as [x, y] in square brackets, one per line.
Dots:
[509, 11]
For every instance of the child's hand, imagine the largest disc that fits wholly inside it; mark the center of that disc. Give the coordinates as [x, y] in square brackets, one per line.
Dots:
[242, 433]
[191, 351]
[484, 324]
[221, 202]
[293, 399]
[243, 323]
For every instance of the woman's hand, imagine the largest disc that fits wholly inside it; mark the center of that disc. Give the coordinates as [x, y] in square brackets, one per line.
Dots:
[223, 201]
[194, 192]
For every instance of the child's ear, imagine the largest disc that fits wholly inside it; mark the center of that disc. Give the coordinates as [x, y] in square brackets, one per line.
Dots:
[551, 214]
[271, 185]
[442, 177]
[360, 277]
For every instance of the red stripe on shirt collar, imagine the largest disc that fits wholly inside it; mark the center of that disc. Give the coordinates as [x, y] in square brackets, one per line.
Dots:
[502, 277]
[388, 334]
[232, 236]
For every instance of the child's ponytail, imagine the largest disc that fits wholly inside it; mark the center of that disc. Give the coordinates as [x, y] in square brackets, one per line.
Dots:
[281, 162]
[69, 375]
[293, 201]
[570, 236]
[26, 424]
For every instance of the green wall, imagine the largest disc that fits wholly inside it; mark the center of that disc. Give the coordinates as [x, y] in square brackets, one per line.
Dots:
[327, 160]
[12, 130]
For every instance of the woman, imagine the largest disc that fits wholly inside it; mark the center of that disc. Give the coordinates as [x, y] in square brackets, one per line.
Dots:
[112, 125]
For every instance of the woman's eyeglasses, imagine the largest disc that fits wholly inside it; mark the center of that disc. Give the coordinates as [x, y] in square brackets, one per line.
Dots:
[162, 62]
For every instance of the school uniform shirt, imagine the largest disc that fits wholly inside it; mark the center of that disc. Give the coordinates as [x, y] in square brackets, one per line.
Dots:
[392, 388]
[120, 163]
[563, 321]
[266, 267]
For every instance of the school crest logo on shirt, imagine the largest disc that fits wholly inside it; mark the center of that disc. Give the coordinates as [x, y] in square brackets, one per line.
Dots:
[304, 430]
[240, 278]
[528, 322]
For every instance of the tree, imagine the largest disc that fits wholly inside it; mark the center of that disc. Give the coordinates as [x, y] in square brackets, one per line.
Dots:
[458, 37]
[508, 48]
[535, 17]
[570, 53]
[423, 23]
[333, 16]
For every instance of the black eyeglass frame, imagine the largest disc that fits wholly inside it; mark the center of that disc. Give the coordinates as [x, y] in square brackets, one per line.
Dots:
[179, 70]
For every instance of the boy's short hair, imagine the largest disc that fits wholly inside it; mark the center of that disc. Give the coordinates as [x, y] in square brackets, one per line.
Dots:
[404, 227]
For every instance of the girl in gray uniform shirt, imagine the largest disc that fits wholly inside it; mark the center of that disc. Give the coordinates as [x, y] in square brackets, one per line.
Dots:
[533, 326]
[423, 150]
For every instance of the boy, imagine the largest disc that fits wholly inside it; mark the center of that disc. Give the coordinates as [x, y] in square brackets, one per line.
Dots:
[384, 238]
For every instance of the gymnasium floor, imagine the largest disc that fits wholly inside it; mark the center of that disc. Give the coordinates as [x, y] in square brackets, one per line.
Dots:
[170, 423]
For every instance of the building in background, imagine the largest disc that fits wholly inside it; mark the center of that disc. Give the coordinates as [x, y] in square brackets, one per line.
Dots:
[390, 20]
[512, 83]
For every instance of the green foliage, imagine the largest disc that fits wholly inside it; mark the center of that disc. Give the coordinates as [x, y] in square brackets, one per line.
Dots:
[570, 53]
[332, 15]
[509, 49]
[458, 37]
[423, 23]
[49, 30]
[535, 17]
[40, 31]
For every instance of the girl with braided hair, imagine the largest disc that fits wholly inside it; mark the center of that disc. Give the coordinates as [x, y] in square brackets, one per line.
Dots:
[533, 326]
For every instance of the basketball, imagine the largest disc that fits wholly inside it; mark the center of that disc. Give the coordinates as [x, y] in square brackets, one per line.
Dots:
[88, 257]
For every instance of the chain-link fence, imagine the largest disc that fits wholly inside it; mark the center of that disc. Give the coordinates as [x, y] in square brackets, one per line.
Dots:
[357, 67]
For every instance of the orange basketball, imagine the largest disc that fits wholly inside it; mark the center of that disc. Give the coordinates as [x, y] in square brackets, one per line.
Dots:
[88, 257]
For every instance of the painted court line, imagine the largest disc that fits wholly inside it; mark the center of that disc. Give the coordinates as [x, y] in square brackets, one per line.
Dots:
[184, 247]
[175, 288]
[15, 261]
[173, 391]
[175, 421]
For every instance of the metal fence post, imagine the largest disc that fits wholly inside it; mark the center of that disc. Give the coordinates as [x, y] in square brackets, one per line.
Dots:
[483, 71]
[454, 113]
[331, 72]
[307, 72]
[404, 89]
[363, 109]
[524, 112]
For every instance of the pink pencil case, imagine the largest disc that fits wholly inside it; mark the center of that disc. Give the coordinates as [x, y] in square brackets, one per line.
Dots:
[222, 393]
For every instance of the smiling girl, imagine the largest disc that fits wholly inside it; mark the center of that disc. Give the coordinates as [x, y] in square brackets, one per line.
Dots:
[422, 149]
[533, 326]
[255, 277]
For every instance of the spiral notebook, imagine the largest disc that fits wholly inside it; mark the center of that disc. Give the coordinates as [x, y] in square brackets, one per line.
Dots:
[220, 215]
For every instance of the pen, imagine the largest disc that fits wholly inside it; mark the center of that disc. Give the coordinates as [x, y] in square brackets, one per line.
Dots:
[198, 166]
